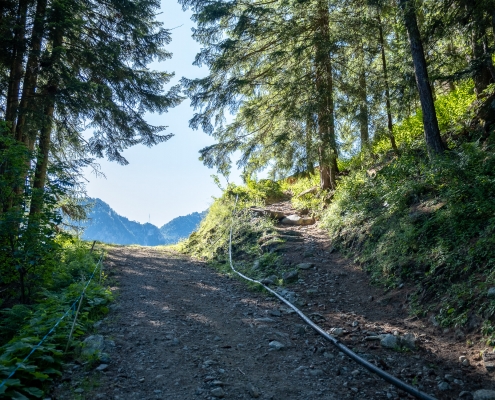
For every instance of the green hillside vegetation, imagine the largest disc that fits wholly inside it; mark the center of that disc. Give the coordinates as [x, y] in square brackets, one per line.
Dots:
[400, 217]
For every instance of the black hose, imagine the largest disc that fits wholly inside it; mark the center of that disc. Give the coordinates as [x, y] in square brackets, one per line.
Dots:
[343, 348]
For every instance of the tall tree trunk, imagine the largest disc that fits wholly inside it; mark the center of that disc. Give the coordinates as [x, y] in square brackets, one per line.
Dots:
[16, 70]
[32, 70]
[48, 94]
[327, 149]
[308, 142]
[390, 124]
[432, 132]
[363, 101]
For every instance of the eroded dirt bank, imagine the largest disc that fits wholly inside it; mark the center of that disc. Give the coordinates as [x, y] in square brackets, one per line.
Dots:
[183, 331]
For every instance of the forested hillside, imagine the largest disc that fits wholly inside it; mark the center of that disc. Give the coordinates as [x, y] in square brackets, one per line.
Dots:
[377, 118]
[181, 227]
[75, 85]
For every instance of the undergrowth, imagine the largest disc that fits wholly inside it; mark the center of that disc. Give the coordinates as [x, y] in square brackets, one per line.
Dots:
[22, 326]
[402, 217]
[249, 231]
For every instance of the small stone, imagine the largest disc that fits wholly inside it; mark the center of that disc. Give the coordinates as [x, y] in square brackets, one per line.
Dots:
[102, 367]
[489, 361]
[355, 324]
[465, 363]
[389, 341]
[79, 390]
[328, 355]
[465, 395]
[275, 345]
[443, 386]
[93, 345]
[337, 331]
[217, 392]
[449, 378]
[141, 380]
[305, 265]
[459, 335]
[491, 293]
[316, 372]
[275, 313]
[271, 280]
[157, 391]
[408, 340]
[253, 390]
[290, 276]
[462, 358]
[216, 383]
[484, 394]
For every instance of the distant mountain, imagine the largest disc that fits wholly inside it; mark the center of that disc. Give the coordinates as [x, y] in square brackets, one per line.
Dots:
[181, 227]
[107, 226]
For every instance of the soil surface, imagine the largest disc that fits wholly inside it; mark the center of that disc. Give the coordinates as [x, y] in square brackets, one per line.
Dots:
[183, 331]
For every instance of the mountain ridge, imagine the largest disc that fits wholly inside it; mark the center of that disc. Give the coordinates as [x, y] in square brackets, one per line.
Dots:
[106, 225]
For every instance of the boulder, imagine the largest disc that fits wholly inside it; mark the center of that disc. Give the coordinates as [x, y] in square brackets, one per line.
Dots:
[290, 276]
[484, 394]
[93, 346]
[297, 220]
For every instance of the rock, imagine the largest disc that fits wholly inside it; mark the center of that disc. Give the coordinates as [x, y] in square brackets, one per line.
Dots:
[491, 293]
[216, 383]
[217, 392]
[434, 321]
[489, 361]
[462, 358]
[102, 367]
[408, 341]
[316, 372]
[271, 280]
[297, 220]
[305, 265]
[355, 324]
[93, 345]
[464, 395]
[104, 358]
[484, 394]
[389, 341]
[253, 390]
[270, 213]
[465, 363]
[459, 335]
[290, 276]
[275, 313]
[275, 345]
[337, 331]
[312, 190]
[443, 386]
[449, 377]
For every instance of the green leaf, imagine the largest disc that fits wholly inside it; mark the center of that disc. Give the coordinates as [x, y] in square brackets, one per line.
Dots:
[52, 371]
[33, 391]
[18, 396]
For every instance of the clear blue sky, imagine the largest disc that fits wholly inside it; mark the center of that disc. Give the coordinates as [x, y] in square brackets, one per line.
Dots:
[167, 180]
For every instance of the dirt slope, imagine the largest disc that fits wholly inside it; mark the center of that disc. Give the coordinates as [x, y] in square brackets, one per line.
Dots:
[183, 331]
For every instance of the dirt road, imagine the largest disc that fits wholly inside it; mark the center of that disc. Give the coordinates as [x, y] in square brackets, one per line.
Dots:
[183, 331]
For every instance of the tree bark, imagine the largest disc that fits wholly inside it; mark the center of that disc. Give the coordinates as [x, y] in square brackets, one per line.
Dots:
[32, 70]
[363, 101]
[309, 145]
[327, 149]
[49, 94]
[390, 124]
[432, 132]
[16, 70]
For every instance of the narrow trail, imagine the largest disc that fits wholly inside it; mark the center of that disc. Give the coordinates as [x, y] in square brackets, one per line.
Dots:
[183, 331]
